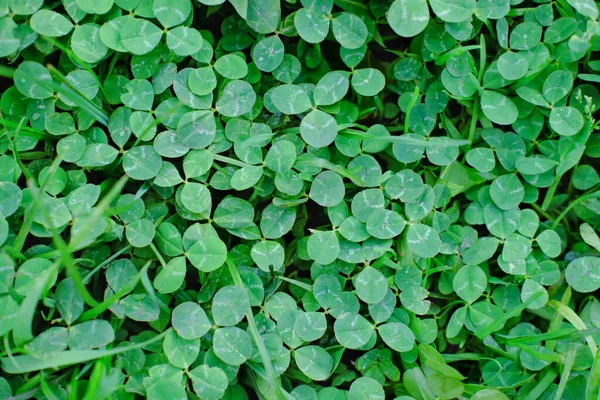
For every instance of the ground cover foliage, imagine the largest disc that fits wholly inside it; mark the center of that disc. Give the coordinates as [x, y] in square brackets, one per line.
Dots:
[301, 199]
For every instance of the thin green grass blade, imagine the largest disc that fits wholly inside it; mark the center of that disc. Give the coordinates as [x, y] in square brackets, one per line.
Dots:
[105, 305]
[280, 393]
[65, 88]
[576, 321]
[26, 363]
[22, 330]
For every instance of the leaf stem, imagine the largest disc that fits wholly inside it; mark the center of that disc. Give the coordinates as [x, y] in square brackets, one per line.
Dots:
[7, 72]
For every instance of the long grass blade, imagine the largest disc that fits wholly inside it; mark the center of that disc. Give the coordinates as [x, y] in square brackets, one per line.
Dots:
[26, 363]
[262, 350]
[67, 89]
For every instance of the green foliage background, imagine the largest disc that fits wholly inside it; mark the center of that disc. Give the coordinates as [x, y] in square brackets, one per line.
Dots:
[300, 199]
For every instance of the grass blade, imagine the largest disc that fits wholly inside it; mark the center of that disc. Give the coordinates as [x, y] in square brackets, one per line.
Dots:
[262, 350]
[26, 363]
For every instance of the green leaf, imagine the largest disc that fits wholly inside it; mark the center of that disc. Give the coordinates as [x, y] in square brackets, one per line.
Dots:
[209, 383]
[237, 98]
[368, 81]
[207, 254]
[582, 275]
[525, 36]
[405, 185]
[86, 43]
[10, 198]
[49, 342]
[263, 16]
[290, 99]
[349, 30]
[139, 95]
[371, 285]
[397, 335]
[385, 224]
[190, 321]
[140, 233]
[196, 129]
[589, 236]
[110, 34]
[95, 7]
[267, 255]
[314, 362]
[232, 345]
[281, 156]
[498, 108]
[534, 165]
[233, 213]
[246, 177]
[482, 159]
[196, 197]
[566, 121]
[366, 203]
[532, 288]
[202, 81]
[507, 192]
[8, 41]
[90, 334]
[196, 163]
[318, 129]
[469, 283]
[408, 18]
[268, 53]
[331, 88]
[68, 301]
[585, 7]
[3, 229]
[142, 163]
[550, 243]
[311, 24]
[50, 23]
[323, 247]
[352, 331]
[512, 66]
[171, 13]
[33, 80]
[171, 277]
[492, 9]
[327, 189]
[454, 10]
[310, 326]
[231, 66]
[28, 363]
[585, 177]
[140, 36]
[276, 221]
[229, 305]
[423, 240]
[180, 352]
[557, 85]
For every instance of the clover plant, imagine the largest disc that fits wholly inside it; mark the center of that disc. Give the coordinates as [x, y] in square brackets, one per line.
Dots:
[299, 199]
